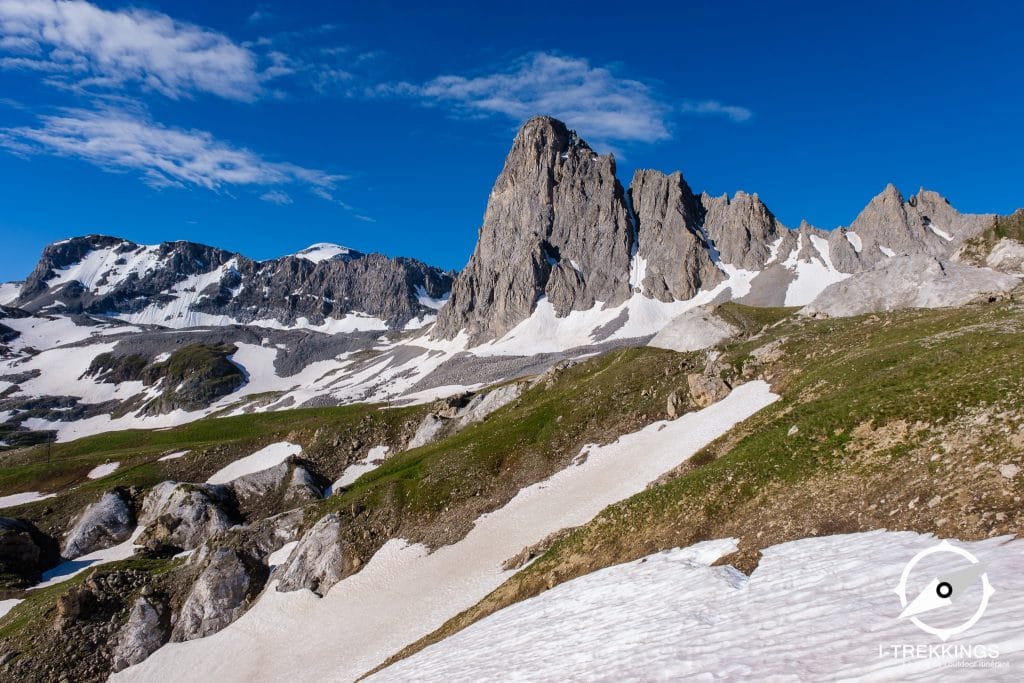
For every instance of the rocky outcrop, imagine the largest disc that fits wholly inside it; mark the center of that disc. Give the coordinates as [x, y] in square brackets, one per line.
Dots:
[674, 258]
[910, 282]
[276, 489]
[706, 389]
[1007, 256]
[102, 524]
[696, 329]
[182, 516]
[319, 561]
[168, 283]
[556, 226]
[228, 579]
[455, 413]
[742, 229]
[147, 628]
[25, 551]
[925, 224]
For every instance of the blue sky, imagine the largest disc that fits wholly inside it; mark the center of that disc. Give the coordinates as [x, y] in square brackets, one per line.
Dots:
[264, 127]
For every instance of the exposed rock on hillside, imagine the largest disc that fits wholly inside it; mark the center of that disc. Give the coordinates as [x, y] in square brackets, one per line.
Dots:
[319, 560]
[101, 525]
[228, 579]
[182, 516]
[25, 551]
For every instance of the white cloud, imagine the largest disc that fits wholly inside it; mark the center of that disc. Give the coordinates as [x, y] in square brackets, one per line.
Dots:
[276, 197]
[716, 108]
[110, 48]
[591, 99]
[119, 140]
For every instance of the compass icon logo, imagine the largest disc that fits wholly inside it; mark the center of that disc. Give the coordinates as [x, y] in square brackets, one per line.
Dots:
[946, 591]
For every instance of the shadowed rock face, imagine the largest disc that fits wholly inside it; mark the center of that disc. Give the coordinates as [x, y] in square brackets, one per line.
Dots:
[556, 225]
[132, 278]
[101, 525]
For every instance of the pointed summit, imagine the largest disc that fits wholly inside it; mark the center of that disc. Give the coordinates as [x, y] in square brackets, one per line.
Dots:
[556, 226]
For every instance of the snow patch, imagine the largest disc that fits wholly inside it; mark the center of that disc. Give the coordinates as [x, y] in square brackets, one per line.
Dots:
[22, 498]
[65, 570]
[7, 605]
[813, 274]
[887, 251]
[174, 456]
[369, 463]
[103, 470]
[429, 301]
[263, 459]
[322, 251]
[854, 239]
[940, 232]
[280, 556]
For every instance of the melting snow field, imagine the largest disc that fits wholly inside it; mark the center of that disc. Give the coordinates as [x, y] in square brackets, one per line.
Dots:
[263, 459]
[815, 609]
[103, 470]
[404, 592]
[22, 498]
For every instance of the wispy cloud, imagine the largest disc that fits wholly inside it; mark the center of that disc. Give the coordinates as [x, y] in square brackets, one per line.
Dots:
[716, 108]
[124, 141]
[277, 197]
[83, 44]
[592, 99]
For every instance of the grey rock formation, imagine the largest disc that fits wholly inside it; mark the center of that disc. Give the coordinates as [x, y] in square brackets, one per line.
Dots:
[706, 389]
[677, 259]
[277, 488]
[556, 225]
[183, 515]
[454, 414]
[696, 329]
[319, 560]
[136, 277]
[919, 225]
[228, 579]
[1007, 256]
[102, 524]
[916, 281]
[25, 551]
[742, 229]
[145, 631]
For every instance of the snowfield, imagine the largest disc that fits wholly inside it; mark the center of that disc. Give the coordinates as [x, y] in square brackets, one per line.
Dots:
[815, 609]
[404, 592]
[263, 459]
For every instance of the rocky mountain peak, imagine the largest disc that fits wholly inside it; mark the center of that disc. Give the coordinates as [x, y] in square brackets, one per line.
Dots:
[556, 227]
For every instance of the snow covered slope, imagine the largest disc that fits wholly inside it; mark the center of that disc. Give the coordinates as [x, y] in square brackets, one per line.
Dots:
[814, 609]
[404, 592]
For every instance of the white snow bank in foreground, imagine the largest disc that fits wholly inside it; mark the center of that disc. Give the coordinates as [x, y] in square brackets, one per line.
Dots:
[22, 498]
[815, 609]
[263, 459]
[103, 470]
[404, 593]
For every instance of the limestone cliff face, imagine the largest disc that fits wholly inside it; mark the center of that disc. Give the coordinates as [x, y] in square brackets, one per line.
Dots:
[674, 255]
[556, 226]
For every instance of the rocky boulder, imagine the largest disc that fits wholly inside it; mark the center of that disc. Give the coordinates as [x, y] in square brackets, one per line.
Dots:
[694, 330]
[282, 487]
[706, 389]
[319, 561]
[25, 551]
[228, 579]
[182, 516]
[147, 628]
[102, 524]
